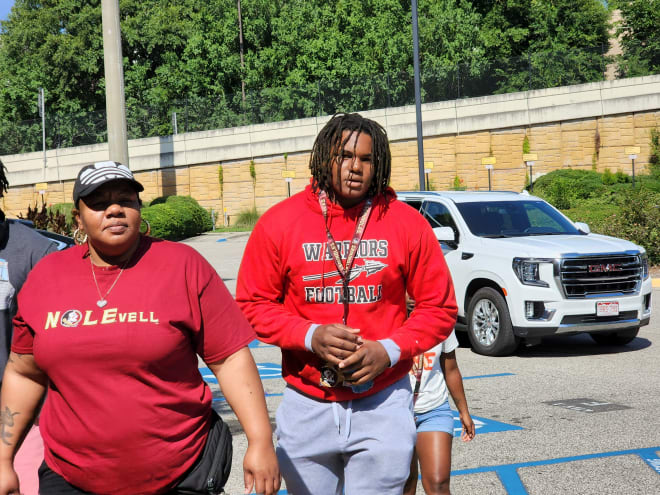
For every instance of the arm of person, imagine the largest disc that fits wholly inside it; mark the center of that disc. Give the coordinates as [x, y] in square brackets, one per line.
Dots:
[429, 284]
[239, 380]
[454, 382]
[23, 388]
[260, 293]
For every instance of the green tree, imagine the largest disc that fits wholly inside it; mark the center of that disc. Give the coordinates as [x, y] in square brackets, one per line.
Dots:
[56, 45]
[302, 58]
[638, 32]
[544, 43]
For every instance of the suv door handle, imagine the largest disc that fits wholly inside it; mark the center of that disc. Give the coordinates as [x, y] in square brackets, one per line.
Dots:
[466, 256]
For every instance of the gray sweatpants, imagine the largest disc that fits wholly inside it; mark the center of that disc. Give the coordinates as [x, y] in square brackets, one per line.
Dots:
[362, 446]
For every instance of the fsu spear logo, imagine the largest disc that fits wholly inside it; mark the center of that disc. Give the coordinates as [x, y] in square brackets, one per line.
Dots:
[370, 267]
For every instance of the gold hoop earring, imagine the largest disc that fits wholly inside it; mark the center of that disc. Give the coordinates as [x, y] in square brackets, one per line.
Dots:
[148, 231]
[79, 237]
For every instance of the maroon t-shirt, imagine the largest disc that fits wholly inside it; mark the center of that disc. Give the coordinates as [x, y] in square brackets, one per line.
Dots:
[127, 410]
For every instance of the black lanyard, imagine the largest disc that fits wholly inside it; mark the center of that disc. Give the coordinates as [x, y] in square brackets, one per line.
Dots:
[360, 225]
[417, 369]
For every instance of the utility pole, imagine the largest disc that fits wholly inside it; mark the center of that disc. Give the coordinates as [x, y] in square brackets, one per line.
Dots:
[240, 47]
[418, 97]
[114, 82]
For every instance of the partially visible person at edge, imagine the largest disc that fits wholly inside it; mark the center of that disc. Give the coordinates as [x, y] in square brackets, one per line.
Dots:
[434, 372]
[20, 250]
[112, 328]
[345, 420]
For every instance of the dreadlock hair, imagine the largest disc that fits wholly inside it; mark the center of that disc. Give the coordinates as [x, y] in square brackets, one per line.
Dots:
[329, 146]
[4, 183]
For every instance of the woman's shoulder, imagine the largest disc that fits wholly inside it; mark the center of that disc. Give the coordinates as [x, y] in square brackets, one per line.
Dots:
[179, 250]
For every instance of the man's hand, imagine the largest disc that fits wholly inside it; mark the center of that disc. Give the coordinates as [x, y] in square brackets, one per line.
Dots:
[369, 361]
[335, 342]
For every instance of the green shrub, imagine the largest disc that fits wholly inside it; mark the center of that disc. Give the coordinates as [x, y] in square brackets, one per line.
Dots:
[526, 147]
[176, 217]
[595, 212]
[608, 203]
[637, 220]
[247, 218]
[165, 222]
[654, 158]
[608, 177]
[63, 208]
[558, 193]
[576, 184]
[458, 184]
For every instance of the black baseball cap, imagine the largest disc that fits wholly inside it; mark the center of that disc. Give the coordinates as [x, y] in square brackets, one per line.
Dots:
[93, 176]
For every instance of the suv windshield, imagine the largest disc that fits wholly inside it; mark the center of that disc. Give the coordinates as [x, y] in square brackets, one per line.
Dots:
[515, 219]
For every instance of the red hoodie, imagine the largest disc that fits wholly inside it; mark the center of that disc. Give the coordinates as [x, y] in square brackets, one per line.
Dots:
[288, 281]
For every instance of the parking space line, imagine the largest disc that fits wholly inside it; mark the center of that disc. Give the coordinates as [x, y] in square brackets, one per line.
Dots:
[488, 376]
[508, 473]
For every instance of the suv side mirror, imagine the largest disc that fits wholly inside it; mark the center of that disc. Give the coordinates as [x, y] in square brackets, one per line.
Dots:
[583, 227]
[444, 234]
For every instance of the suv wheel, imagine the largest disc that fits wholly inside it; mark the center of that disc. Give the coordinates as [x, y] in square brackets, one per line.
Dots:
[489, 324]
[616, 338]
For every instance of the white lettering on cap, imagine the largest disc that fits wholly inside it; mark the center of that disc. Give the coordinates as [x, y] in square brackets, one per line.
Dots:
[103, 171]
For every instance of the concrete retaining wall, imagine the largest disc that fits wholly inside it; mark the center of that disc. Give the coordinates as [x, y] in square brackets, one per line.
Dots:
[563, 126]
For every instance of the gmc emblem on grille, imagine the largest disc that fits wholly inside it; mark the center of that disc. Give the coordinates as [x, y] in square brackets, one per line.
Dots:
[610, 267]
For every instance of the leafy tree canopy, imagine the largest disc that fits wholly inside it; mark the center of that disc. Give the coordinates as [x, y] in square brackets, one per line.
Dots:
[301, 58]
[638, 32]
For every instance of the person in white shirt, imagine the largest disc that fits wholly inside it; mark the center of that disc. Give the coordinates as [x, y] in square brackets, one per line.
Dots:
[434, 376]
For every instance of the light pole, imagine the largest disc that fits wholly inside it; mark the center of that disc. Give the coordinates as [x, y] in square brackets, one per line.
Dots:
[418, 97]
[632, 152]
[488, 162]
[114, 82]
[428, 167]
[529, 159]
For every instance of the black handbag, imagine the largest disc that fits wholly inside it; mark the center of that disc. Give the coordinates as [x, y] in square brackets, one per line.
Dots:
[211, 471]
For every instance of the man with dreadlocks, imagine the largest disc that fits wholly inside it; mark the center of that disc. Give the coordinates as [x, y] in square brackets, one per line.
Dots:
[324, 276]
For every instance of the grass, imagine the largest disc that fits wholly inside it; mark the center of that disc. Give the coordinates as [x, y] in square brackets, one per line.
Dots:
[232, 228]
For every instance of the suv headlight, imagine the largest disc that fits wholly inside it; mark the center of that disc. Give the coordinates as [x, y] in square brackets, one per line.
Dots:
[527, 271]
[644, 261]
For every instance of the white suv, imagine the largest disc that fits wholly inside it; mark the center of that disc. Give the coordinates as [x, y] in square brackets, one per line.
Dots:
[522, 270]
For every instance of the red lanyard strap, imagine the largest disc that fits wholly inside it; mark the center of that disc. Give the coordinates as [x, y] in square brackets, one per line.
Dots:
[360, 225]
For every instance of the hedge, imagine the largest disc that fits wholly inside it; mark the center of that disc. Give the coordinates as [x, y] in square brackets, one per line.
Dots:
[176, 217]
[608, 203]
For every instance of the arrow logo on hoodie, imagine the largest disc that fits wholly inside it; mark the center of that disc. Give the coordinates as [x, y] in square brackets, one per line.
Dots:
[370, 267]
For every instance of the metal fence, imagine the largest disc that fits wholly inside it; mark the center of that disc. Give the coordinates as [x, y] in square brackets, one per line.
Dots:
[194, 113]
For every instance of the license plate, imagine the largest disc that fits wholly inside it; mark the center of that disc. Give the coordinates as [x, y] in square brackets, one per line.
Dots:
[607, 308]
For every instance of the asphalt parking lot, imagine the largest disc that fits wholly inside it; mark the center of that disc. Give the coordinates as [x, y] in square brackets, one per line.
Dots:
[564, 417]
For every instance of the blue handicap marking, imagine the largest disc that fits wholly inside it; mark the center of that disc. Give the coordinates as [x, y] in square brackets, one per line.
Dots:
[207, 375]
[483, 425]
[266, 371]
[650, 457]
[269, 370]
[257, 344]
[508, 473]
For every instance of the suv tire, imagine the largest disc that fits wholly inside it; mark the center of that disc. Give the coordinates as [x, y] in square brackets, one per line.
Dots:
[621, 337]
[489, 324]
